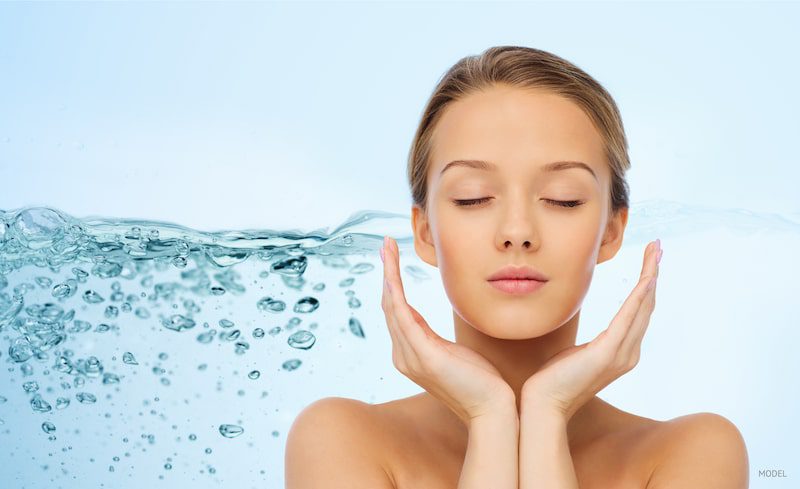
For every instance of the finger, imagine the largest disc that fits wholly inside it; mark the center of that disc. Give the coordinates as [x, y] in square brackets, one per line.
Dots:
[385, 305]
[410, 331]
[620, 325]
[413, 329]
[398, 337]
[631, 344]
[400, 344]
[393, 270]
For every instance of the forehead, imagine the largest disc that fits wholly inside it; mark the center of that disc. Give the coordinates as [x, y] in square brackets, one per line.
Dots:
[519, 130]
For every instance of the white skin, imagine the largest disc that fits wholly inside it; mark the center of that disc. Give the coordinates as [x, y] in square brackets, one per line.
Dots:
[512, 348]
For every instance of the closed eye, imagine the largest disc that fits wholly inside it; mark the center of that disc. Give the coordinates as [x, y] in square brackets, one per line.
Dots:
[559, 203]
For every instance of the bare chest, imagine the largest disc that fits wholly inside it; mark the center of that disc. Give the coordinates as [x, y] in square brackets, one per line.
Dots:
[421, 461]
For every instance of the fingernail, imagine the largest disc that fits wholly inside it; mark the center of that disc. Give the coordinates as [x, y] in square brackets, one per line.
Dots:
[382, 257]
[658, 244]
[658, 258]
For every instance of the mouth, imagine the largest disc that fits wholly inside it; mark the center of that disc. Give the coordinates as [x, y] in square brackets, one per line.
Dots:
[517, 286]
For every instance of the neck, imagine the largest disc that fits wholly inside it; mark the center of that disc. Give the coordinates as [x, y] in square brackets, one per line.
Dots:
[517, 360]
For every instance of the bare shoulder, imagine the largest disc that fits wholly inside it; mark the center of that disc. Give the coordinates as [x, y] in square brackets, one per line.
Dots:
[700, 450]
[330, 444]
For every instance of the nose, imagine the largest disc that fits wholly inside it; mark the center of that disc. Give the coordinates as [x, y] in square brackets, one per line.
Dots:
[517, 232]
[525, 244]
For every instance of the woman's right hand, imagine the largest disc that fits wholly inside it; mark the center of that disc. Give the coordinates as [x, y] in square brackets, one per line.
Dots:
[458, 376]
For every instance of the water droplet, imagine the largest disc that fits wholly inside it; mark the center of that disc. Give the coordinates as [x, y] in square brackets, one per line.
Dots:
[178, 322]
[61, 291]
[206, 337]
[92, 297]
[355, 327]
[85, 398]
[254, 374]
[306, 305]
[44, 282]
[40, 405]
[111, 312]
[91, 367]
[63, 365]
[291, 364]
[20, 350]
[48, 427]
[109, 378]
[30, 386]
[107, 269]
[38, 227]
[302, 340]
[129, 359]
[291, 266]
[268, 304]
[79, 326]
[230, 430]
[361, 268]
[229, 335]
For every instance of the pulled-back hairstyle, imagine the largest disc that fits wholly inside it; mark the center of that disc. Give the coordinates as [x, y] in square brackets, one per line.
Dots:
[527, 68]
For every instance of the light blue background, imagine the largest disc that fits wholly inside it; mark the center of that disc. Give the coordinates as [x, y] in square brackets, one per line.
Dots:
[256, 115]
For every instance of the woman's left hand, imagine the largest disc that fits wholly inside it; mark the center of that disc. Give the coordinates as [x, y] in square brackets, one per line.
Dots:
[574, 375]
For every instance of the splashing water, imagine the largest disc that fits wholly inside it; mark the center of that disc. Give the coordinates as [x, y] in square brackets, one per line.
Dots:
[119, 321]
[149, 349]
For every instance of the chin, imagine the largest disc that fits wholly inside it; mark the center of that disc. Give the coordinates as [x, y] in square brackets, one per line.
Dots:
[518, 327]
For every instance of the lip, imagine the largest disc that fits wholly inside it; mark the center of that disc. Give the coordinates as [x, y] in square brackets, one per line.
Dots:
[511, 272]
[517, 286]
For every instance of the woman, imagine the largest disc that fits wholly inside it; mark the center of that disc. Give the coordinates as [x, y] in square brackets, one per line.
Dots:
[517, 177]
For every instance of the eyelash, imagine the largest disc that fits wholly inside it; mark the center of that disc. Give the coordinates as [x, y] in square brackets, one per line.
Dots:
[559, 203]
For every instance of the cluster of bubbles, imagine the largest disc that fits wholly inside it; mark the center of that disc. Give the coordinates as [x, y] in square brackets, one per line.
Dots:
[64, 281]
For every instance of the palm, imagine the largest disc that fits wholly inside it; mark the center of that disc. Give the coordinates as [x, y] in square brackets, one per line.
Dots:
[571, 377]
[462, 365]
[569, 373]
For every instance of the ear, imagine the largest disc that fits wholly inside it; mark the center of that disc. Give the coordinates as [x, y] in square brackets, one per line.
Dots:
[612, 238]
[423, 242]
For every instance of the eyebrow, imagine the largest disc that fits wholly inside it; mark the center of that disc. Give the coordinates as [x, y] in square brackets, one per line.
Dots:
[550, 167]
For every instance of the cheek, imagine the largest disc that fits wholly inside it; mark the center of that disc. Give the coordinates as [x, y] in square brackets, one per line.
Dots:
[512, 317]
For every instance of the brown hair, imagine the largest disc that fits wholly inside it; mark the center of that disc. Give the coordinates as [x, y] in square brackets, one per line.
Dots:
[522, 67]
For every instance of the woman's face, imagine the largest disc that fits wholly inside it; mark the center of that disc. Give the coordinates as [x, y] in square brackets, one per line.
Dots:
[518, 222]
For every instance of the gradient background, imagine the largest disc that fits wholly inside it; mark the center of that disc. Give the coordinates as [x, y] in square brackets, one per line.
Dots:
[277, 115]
